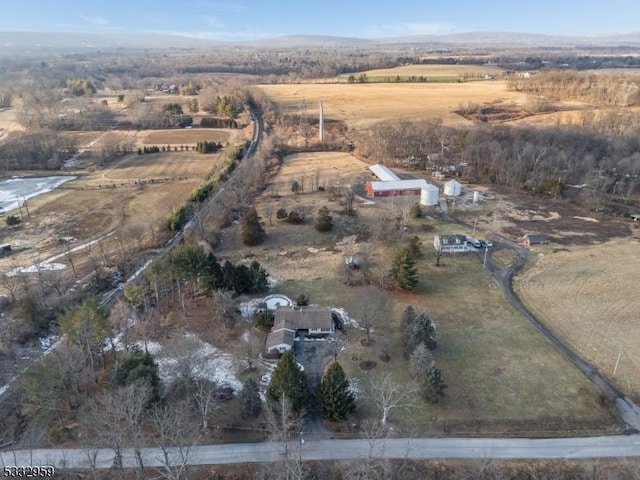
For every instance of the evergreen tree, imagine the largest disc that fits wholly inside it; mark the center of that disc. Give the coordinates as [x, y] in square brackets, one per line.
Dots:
[250, 399]
[281, 214]
[415, 247]
[324, 221]
[432, 387]
[423, 331]
[252, 231]
[334, 396]
[403, 270]
[408, 319]
[288, 380]
[416, 210]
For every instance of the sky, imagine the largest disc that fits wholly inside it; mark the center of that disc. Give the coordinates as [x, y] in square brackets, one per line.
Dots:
[241, 20]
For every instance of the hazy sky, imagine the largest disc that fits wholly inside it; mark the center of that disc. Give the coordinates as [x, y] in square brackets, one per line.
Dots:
[251, 19]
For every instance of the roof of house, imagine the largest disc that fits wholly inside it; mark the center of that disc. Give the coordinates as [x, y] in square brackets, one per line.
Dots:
[534, 237]
[414, 184]
[453, 240]
[302, 318]
[279, 337]
[383, 173]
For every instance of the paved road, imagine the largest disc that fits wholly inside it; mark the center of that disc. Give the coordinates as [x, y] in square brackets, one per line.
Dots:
[414, 448]
[629, 411]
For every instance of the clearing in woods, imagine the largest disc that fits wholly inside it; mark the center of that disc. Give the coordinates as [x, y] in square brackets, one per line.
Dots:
[589, 296]
[504, 378]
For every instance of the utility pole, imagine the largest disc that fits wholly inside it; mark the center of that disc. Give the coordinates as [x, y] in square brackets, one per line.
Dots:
[26, 206]
[486, 249]
[19, 206]
[617, 362]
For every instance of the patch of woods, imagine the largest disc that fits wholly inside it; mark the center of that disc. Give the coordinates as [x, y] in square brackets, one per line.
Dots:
[605, 90]
[601, 152]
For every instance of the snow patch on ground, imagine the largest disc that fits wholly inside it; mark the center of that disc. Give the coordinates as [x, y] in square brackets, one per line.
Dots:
[345, 318]
[209, 363]
[587, 219]
[354, 387]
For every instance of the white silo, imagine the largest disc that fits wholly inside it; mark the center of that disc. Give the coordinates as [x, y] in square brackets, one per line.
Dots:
[429, 195]
[476, 197]
[452, 188]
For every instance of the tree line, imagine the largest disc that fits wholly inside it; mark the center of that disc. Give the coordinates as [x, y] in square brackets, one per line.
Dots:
[601, 151]
[609, 90]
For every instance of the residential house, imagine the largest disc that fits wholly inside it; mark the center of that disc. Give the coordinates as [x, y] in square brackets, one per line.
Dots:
[292, 322]
[451, 244]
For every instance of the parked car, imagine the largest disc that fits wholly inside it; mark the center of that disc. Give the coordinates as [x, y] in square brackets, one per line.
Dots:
[486, 243]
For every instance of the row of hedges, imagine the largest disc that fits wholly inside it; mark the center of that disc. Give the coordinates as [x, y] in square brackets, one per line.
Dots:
[181, 215]
[212, 122]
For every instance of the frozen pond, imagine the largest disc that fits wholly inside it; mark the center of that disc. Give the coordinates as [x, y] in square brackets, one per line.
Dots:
[24, 188]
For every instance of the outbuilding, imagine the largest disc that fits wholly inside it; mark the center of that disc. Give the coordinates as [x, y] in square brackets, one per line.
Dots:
[393, 188]
[452, 188]
[531, 238]
[384, 174]
[430, 195]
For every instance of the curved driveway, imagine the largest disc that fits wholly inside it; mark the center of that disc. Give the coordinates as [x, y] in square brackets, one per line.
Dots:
[629, 411]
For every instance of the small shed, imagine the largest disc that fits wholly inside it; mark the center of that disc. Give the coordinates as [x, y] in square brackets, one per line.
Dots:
[452, 188]
[429, 195]
[636, 217]
[531, 238]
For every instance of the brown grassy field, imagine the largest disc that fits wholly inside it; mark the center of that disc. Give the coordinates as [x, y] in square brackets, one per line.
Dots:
[360, 105]
[503, 377]
[589, 296]
[186, 136]
[108, 200]
[435, 71]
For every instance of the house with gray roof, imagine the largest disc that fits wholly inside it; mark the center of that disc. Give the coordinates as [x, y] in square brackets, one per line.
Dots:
[292, 322]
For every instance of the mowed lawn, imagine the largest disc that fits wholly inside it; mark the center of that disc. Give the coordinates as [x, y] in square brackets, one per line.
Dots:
[588, 296]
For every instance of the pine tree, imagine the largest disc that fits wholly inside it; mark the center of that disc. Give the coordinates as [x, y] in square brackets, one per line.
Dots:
[250, 399]
[290, 381]
[408, 319]
[415, 247]
[324, 221]
[403, 270]
[334, 396]
[252, 231]
[423, 331]
[433, 386]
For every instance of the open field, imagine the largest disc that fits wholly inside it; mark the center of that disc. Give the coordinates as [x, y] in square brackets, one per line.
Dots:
[589, 296]
[360, 105]
[119, 198]
[187, 136]
[503, 377]
[455, 71]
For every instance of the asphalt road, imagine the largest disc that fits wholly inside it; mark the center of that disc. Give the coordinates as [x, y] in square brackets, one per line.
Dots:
[399, 448]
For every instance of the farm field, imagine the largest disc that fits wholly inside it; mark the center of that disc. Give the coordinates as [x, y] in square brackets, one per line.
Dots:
[503, 377]
[588, 295]
[360, 105]
[121, 198]
[452, 71]
[187, 136]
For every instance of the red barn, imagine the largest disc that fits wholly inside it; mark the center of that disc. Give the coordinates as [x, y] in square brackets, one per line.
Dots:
[396, 187]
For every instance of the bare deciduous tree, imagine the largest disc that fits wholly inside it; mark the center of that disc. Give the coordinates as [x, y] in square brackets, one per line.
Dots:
[388, 394]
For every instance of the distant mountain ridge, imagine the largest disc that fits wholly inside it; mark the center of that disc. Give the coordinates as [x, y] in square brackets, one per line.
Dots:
[85, 41]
